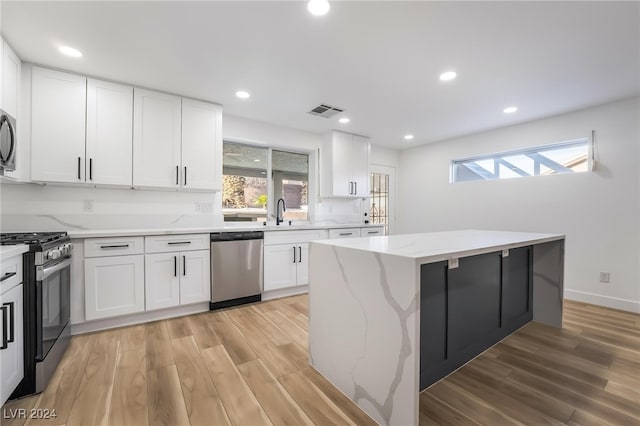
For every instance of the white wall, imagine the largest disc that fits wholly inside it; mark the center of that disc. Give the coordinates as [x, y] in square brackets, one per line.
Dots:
[599, 212]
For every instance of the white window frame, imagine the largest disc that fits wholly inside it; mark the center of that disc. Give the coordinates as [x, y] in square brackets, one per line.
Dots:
[533, 152]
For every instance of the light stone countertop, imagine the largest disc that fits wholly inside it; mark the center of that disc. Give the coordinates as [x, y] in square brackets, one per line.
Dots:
[205, 230]
[438, 246]
[7, 252]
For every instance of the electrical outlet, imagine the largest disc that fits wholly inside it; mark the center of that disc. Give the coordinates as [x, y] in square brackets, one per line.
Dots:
[207, 207]
[88, 206]
[604, 277]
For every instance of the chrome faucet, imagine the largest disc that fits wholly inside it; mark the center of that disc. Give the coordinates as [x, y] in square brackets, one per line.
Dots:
[280, 214]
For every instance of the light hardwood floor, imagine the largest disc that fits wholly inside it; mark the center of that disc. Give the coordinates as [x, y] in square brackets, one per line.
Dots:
[248, 366]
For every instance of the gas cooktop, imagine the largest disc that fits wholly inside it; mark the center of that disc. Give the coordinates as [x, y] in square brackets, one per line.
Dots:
[32, 238]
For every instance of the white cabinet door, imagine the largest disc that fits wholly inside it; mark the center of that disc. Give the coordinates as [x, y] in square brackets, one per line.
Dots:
[360, 166]
[113, 286]
[162, 284]
[156, 139]
[12, 358]
[280, 262]
[195, 285]
[109, 133]
[303, 264]
[341, 162]
[58, 106]
[201, 145]
[10, 80]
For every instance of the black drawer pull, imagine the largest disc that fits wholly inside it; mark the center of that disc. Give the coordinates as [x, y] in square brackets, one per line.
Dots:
[346, 233]
[373, 232]
[13, 321]
[7, 275]
[115, 246]
[4, 327]
[177, 243]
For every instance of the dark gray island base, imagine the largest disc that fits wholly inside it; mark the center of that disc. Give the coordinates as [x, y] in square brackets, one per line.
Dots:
[465, 310]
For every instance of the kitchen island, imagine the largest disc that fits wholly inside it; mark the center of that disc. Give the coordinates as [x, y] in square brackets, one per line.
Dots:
[389, 316]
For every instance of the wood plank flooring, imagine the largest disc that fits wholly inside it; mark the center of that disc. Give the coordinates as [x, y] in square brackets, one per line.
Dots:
[248, 366]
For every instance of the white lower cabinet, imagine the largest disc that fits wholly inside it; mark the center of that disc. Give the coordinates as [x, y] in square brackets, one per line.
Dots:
[11, 349]
[114, 286]
[163, 283]
[286, 257]
[177, 278]
[280, 267]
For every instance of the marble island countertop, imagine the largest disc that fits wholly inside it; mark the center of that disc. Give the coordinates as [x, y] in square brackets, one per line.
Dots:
[94, 233]
[437, 246]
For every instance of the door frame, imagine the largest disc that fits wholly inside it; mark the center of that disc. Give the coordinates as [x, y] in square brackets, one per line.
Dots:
[391, 171]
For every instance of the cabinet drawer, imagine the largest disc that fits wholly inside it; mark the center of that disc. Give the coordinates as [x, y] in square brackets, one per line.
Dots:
[10, 272]
[344, 233]
[371, 232]
[167, 243]
[287, 237]
[120, 246]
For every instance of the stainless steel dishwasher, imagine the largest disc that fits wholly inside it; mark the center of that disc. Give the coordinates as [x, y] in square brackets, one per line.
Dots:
[236, 268]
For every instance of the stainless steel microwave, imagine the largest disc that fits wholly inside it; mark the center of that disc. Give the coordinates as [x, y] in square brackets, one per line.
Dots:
[7, 141]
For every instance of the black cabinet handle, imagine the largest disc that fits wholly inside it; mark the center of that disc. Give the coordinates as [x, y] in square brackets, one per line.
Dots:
[7, 275]
[177, 173]
[115, 246]
[185, 176]
[4, 327]
[299, 254]
[372, 232]
[294, 254]
[175, 266]
[178, 243]
[355, 186]
[90, 168]
[79, 177]
[12, 319]
[350, 188]
[184, 266]
[346, 233]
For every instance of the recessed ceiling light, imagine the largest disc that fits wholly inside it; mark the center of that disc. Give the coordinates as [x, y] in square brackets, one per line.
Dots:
[408, 137]
[510, 110]
[242, 94]
[70, 51]
[344, 120]
[257, 160]
[318, 7]
[448, 76]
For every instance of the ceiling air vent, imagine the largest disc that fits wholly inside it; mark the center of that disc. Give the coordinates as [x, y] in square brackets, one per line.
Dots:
[326, 111]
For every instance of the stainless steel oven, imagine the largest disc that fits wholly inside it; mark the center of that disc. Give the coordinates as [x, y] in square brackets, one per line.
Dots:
[53, 282]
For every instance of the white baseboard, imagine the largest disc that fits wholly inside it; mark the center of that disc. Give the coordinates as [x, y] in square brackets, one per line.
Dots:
[104, 324]
[606, 301]
[291, 291]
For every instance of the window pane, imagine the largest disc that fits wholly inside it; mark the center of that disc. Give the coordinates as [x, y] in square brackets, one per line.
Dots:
[291, 183]
[244, 169]
[567, 157]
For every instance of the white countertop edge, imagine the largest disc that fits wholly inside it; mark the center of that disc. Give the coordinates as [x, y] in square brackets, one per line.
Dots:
[7, 252]
[96, 233]
[426, 255]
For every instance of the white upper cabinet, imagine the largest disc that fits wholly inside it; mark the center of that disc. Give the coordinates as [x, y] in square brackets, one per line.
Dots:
[156, 139]
[10, 78]
[58, 107]
[201, 146]
[109, 133]
[345, 166]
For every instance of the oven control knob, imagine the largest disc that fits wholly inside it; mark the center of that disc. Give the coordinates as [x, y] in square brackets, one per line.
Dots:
[54, 254]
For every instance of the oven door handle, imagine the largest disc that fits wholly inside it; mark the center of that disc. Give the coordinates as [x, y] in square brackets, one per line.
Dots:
[44, 273]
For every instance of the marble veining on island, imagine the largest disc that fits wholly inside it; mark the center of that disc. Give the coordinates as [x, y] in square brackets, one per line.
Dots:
[365, 317]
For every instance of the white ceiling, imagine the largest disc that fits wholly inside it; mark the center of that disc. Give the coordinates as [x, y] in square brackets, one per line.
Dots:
[378, 60]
